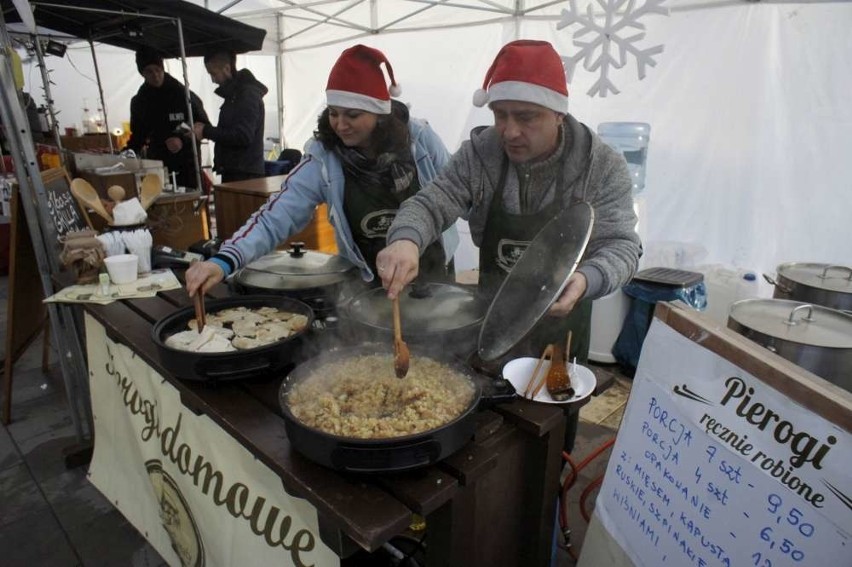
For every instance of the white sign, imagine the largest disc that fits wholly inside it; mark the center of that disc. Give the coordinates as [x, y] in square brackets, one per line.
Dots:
[199, 497]
[714, 468]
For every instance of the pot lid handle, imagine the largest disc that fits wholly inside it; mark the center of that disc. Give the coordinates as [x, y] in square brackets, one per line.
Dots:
[809, 317]
[297, 249]
[830, 267]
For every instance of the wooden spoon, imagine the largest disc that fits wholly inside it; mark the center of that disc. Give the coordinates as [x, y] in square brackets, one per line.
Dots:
[116, 193]
[152, 186]
[558, 381]
[87, 196]
[200, 312]
[401, 356]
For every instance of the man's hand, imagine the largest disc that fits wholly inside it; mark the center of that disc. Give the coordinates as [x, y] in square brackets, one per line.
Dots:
[198, 127]
[398, 265]
[572, 293]
[203, 275]
[174, 144]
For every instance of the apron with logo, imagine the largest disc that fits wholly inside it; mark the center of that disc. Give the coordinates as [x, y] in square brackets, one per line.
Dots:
[370, 210]
[504, 239]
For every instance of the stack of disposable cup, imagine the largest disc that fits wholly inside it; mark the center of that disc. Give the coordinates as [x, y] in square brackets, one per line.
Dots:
[112, 242]
[139, 242]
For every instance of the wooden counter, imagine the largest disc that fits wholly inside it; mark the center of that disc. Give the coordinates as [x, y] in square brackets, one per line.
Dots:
[236, 201]
[491, 503]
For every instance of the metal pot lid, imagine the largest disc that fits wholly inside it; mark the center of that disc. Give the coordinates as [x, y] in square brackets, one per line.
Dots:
[425, 308]
[794, 321]
[536, 281]
[830, 277]
[295, 269]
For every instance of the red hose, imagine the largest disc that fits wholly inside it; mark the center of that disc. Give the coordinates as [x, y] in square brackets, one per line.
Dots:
[592, 485]
[569, 482]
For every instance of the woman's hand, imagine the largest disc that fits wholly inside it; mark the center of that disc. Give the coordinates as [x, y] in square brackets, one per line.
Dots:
[398, 265]
[203, 275]
[572, 293]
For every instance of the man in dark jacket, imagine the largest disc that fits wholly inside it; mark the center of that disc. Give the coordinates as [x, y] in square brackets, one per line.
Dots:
[238, 153]
[156, 113]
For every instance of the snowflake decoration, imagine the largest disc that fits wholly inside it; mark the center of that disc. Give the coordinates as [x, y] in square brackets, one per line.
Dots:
[598, 53]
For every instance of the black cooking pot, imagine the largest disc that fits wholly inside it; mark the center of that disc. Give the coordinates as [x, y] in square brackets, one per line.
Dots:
[386, 455]
[233, 365]
[439, 316]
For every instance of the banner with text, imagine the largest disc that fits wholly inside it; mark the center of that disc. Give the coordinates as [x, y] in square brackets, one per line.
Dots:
[714, 468]
[197, 495]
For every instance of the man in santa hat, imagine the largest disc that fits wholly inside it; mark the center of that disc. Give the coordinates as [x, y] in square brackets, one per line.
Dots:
[510, 179]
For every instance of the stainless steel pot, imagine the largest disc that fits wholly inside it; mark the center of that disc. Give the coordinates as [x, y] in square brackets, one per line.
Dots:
[816, 338]
[828, 285]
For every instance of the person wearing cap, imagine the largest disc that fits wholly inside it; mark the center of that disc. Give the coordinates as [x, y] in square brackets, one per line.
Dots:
[157, 111]
[510, 179]
[366, 157]
[238, 137]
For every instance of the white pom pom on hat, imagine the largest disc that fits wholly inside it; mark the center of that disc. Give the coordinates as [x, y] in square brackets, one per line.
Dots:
[528, 71]
[480, 97]
[356, 81]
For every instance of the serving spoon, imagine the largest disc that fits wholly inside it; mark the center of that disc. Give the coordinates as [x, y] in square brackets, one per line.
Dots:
[86, 194]
[401, 356]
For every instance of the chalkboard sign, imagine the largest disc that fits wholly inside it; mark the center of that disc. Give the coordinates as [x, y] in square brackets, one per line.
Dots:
[61, 204]
[715, 467]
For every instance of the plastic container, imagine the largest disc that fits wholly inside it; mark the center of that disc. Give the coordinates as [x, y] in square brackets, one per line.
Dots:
[631, 139]
[726, 285]
[608, 315]
[122, 268]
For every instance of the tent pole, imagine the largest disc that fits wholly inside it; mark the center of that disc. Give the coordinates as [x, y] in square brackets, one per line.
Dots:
[279, 80]
[188, 96]
[101, 93]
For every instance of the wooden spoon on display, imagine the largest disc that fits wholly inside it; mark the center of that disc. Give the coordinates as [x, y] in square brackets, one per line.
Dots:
[116, 193]
[401, 356]
[86, 195]
[152, 186]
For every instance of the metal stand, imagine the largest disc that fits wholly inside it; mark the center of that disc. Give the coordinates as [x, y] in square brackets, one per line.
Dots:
[66, 335]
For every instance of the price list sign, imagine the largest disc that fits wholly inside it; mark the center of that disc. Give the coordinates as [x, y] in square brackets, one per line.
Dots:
[712, 467]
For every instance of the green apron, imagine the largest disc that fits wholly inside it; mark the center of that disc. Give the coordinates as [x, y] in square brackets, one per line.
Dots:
[370, 211]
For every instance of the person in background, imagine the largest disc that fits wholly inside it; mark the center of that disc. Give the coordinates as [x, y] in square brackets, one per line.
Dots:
[366, 157]
[509, 180]
[159, 120]
[238, 137]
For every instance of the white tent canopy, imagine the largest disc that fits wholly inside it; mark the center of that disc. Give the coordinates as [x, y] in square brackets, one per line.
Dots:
[751, 129]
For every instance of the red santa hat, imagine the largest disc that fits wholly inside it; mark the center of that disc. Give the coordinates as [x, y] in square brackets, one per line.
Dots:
[528, 71]
[357, 81]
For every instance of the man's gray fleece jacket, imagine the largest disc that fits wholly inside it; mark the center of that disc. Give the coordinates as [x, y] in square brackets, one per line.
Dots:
[593, 172]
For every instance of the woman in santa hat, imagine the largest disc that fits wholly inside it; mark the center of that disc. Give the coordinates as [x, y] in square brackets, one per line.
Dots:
[367, 156]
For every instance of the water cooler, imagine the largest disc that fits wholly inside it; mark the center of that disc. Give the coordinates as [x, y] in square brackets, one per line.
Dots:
[608, 313]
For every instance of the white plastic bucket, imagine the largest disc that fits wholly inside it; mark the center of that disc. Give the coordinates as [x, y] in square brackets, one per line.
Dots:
[608, 315]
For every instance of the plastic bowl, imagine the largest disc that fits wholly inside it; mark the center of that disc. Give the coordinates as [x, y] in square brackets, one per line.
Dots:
[122, 268]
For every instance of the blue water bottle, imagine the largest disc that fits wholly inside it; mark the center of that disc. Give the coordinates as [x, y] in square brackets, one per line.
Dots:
[631, 139]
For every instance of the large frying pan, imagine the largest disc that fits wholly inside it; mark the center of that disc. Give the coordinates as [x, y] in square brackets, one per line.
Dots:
[393, 454]
[235, 365]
